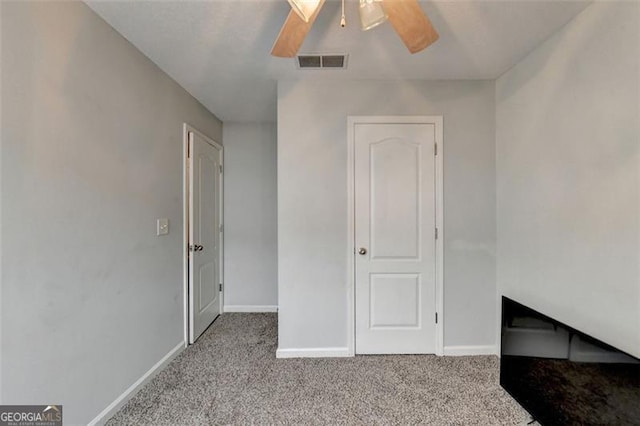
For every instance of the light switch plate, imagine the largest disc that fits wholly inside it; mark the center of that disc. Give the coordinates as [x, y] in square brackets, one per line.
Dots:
[162, 226]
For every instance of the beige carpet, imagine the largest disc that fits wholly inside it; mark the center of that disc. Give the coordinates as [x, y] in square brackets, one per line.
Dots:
[231, 376]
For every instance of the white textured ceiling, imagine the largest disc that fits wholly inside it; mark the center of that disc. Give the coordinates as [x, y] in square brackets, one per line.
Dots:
[219, 50]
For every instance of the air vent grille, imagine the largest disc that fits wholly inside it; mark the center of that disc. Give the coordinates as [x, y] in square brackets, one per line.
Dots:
[318, 62]
[333, 61]
[308, 61]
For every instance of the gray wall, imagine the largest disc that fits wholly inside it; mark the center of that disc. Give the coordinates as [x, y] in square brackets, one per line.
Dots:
[568, 162]
[91, 156]
[312, 203]
[250, 264]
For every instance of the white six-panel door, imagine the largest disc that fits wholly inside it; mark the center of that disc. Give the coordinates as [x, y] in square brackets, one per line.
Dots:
[205, 188]
[395, 243]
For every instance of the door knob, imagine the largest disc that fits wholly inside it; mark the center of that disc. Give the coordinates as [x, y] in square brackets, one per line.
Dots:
[199, 248]
[362, 251]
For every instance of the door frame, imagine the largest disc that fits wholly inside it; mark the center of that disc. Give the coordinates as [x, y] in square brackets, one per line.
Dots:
[437, 121]
[186, 129]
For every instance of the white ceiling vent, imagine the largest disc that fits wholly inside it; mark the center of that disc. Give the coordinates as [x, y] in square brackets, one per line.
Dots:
[320, 62]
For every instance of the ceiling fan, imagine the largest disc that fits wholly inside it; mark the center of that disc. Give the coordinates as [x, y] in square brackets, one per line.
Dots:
[406, 17]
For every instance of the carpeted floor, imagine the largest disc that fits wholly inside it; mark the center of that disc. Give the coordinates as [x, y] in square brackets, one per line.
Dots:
[231, 376]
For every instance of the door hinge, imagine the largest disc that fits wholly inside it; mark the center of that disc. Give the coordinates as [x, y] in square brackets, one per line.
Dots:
[221, 228]
[436, 317]
[435, 148]
[220, 168]
[220, 287]
[436, 233]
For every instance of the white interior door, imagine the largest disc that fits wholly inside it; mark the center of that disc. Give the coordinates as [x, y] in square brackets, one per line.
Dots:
[395, 264]
[205, 190]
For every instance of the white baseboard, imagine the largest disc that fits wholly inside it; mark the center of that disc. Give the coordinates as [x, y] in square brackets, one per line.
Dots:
[470, 350]
[313, 353]
[344, 352]
[112, 408]
[251, 308]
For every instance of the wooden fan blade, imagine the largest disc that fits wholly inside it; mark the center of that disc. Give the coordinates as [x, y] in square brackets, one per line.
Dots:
[411, 24]
[293, 33]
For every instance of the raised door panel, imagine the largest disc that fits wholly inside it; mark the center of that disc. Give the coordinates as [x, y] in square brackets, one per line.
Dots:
[394, 301]
[395, 199]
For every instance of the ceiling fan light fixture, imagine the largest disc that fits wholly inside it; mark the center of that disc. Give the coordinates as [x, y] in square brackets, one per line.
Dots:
[372, 14]
[304, 8]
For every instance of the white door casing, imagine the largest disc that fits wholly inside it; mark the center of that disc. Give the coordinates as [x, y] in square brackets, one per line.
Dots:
[397, 270]
[204, 233]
